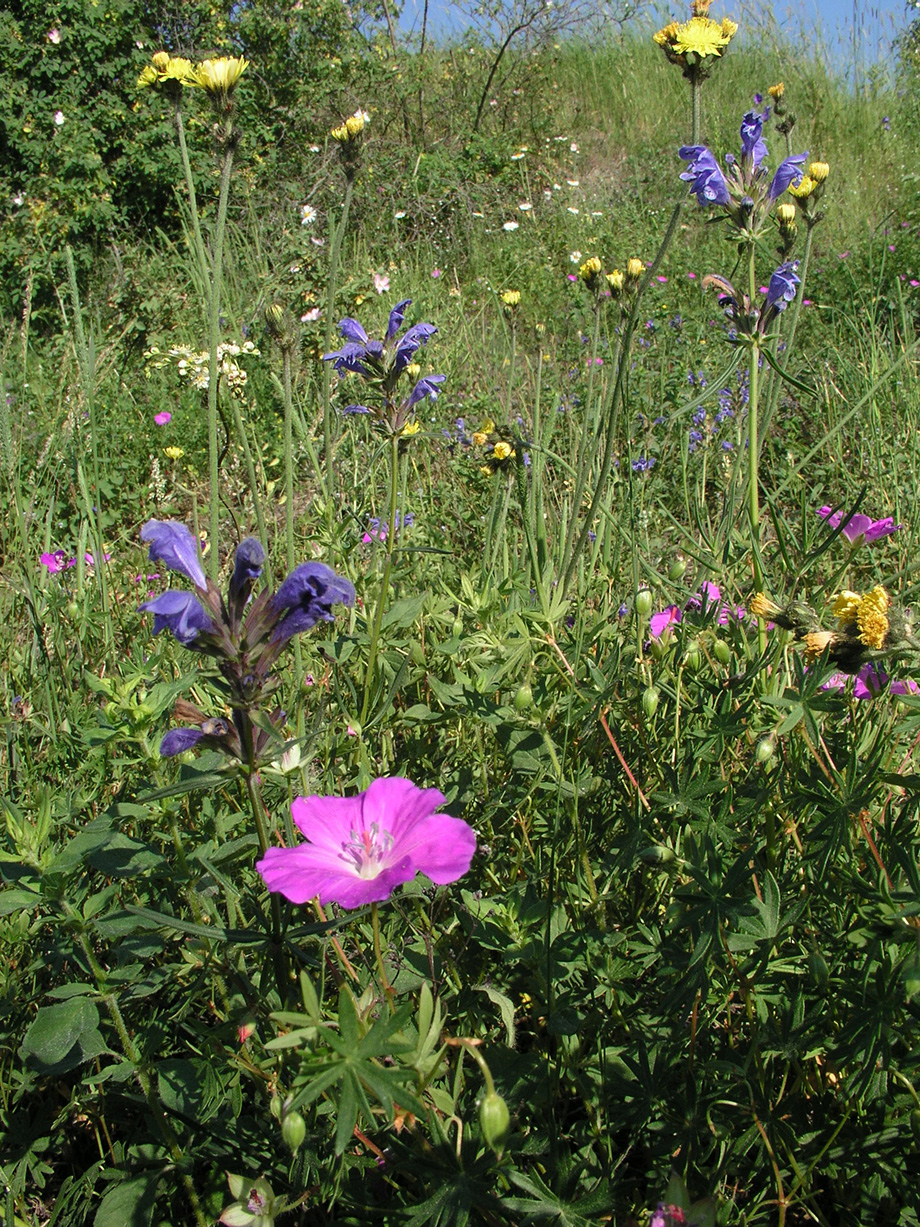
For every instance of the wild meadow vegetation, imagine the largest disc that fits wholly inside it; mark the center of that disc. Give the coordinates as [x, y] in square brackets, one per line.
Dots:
[460, 736]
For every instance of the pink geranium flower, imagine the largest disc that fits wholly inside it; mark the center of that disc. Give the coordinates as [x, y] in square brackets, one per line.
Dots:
[162, 419]
[659, 622]
[359, 849]
[857, 528]
[871, 681]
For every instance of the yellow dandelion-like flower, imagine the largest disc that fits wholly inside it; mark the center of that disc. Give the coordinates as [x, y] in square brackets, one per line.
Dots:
[634, 269]
[817, 643]
[502, 451]
[174, 453]
[844, 606]
[220, 76]
[413, 370]
[762, 607]
[872, 617]
[777, 91]
[785, 213]
[590, 269]
[665, 36]
[160, 60]
[351, 129]
[480, 438]
[703, 37]
[487, 470]
[819, 171]
[149, 76]
[804, 188]
[616, 281]
[410, 428]
[511, 298]
[164, 67]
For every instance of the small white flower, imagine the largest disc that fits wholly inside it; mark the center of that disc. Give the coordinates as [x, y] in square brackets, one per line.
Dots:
[58, 118]
[572, 182]
[18, 199]
[311, 316]
[573, 148]
[475, 214]
[516, 157]
[575, 257]
[510, 226]
[317, 242]
[525, 206]
[400, 214]
[557, 187]
[547, 193]
[307, 215]
[313, 148]
[54, 36]
[596, 213]
[573, 210]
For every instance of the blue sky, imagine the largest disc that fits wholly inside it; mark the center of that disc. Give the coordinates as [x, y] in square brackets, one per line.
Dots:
[844, 29]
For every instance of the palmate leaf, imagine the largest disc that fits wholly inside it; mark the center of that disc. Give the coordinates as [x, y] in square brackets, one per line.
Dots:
[349, 1062]
[544, 1207]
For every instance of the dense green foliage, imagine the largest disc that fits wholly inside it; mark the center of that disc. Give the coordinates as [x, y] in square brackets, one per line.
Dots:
[685, 963]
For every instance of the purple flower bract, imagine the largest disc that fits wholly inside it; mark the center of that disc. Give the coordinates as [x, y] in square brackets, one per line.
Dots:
[359, 849]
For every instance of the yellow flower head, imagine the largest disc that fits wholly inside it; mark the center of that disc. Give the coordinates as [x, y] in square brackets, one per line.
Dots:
[160, 60]
[413, 370]
[590, 269]
[872, 617]
[844, 606]
[666, 35]
[511, 298]
[804, 189]
[480, 438]
[220, 76]
[700, 8]
[410, 428]
[174, 453]
[488, 426]
[703, 36]
[634, 269]
[164, 67]
[351, 129]
[149, 76]
[502, 451]
[819, 171]
[785, 213]
[762, 607]
[777, 91]
[487, 470]
[616, 281]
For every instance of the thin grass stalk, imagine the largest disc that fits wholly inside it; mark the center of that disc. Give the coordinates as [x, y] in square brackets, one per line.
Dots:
[213, 343]
[383, 594]
[335, 250]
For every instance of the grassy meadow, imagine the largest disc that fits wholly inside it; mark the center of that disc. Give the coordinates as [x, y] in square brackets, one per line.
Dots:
[630, 587]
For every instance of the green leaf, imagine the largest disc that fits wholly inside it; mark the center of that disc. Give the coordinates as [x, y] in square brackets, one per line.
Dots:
[62, 1036]
[130, 1203]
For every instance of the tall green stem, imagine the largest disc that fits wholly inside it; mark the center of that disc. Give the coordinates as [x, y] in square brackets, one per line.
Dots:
[753, 462]
[217, 263]
[382, 596]
[200, 250]
[696, 96]
[334, 252]
[378, 957]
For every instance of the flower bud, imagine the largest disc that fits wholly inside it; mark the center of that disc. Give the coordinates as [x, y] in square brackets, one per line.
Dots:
[765, 750]
[616, 281]
[676, 568]
[634, 269]
[457, 627]
[650, 700]
[691, 659]
[819, 171]
[643, 602]
[785, 213]
[656, 854]
[495, 1121]
[523, 700]
[721, 651]
[293, 1130]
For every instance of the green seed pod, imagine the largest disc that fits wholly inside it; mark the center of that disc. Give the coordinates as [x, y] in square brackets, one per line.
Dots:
[691, 659]
[523, 700]
[818, 968]
[643, 602]
[457, 628]
[676, 568]
[721, 651]
[650, 700]
[293, 1130]
[72, 610]
[276, 1106]
[656, 854]
[766, 748]
[495, 1121]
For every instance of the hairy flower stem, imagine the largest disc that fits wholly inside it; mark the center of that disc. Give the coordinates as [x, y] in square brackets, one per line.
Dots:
[217, 263]
[383, 594]
[288, 458]
[588, 442]
[257, 805]
[334, 252]
[141, 1073]
[251, 475]
[696, 108]
[378, 956]
[201, 254]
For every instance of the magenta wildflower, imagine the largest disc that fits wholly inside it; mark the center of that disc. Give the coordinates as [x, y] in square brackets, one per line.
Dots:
[665, 618]
[857, 528]
[870, 682]
[162, 419]
[359, 849]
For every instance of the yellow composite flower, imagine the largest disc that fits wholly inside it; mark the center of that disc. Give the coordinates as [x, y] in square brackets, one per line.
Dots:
[165, 67]
[762, 607]
[220, 76]
[590, 269]
[174, 453]
[844, 606]
[480, 438]
[511, 298]
[777, 91]
[785, 213]
[804, 188]
[502, 451]
[352, 128]
[634, 269]
[616, 281]
[872, 617]
[702, 36]
[410, 428]
[819, 171]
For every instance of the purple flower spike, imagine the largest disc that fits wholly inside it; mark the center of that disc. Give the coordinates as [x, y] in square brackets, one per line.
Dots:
[859, 529]
[181, 613]
[787, 173]
[707, 183]
[359, 849]
[351, 330]
[428, 386]
[175, 546]
[418, 335]
[177, 741]
[397, 315]
[307, 596]
[781, 289]
[247, 566]
[752, 143]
